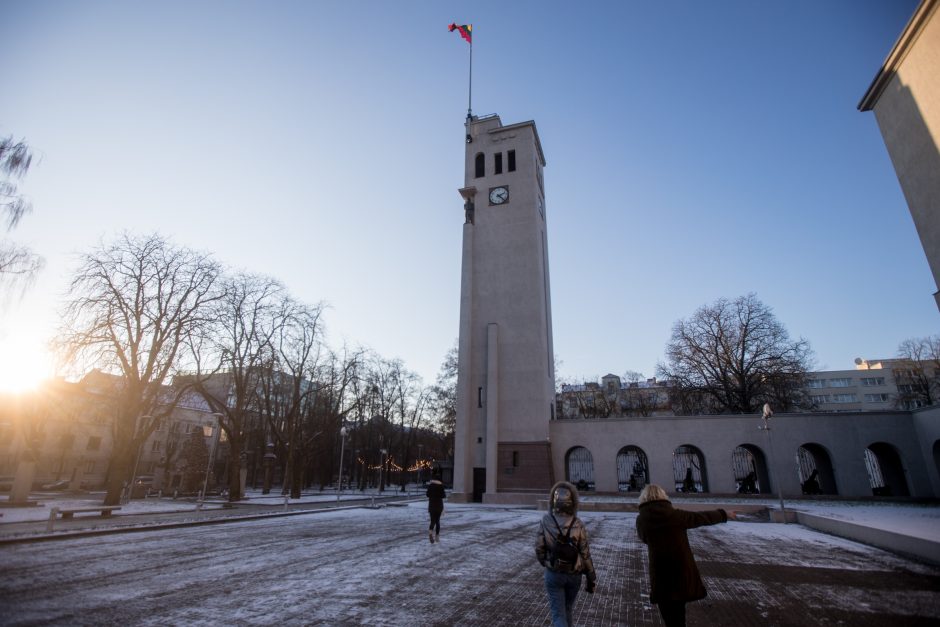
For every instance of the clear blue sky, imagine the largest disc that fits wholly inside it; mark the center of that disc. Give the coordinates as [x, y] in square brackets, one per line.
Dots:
[695, 150]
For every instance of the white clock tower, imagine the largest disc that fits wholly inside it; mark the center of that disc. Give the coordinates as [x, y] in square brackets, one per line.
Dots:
[506, 378]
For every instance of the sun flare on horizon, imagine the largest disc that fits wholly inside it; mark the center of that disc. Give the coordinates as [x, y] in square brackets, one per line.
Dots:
[24, 364]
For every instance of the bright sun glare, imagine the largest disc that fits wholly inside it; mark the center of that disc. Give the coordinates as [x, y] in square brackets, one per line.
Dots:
[24, 364]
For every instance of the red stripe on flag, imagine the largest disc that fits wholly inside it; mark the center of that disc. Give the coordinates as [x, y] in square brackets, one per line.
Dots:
[465, 30]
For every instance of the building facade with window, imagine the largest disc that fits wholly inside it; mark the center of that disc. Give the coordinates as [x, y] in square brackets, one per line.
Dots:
[66, 429]
[874, 385]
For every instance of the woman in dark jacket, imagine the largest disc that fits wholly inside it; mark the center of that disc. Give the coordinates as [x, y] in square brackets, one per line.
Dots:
[674, 577]
[564, 567]
[436, 496]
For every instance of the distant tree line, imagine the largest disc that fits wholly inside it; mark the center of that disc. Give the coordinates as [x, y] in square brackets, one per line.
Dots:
[171, 321]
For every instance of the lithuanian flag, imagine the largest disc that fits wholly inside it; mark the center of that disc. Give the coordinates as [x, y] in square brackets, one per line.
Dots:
[465, 30]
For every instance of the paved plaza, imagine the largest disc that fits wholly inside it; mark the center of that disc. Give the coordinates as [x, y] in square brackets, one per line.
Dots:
[364, 566]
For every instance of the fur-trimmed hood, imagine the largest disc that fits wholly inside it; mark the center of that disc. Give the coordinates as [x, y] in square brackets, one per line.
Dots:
[574, 496]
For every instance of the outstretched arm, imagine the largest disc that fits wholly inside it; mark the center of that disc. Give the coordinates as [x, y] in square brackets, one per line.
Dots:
[692, 520]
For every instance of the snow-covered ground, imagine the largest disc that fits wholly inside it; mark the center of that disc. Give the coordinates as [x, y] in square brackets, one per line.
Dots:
[153, 505]
[921, 521]
[376, 567]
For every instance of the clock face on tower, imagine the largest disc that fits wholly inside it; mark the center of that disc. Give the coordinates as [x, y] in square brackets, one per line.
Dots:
[499, 195]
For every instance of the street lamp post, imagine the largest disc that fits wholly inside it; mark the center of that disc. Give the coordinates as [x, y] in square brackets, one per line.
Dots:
[269, 459]
[209, 430]
[339, 479]
[766, 414]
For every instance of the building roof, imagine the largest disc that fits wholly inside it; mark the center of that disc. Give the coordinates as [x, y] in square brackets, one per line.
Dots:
[894, 59]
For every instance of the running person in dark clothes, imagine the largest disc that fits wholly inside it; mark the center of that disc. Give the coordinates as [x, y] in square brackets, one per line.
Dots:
[436, 496]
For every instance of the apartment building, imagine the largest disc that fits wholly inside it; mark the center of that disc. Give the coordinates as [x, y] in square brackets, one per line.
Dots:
[613, 397]
[874, 385]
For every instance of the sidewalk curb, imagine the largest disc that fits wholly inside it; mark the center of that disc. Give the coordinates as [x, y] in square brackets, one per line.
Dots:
[44, 537]
[920, 549]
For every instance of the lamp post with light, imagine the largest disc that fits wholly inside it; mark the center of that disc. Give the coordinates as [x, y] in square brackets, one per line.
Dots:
[766, 413]
[208, 430]
[339, 479]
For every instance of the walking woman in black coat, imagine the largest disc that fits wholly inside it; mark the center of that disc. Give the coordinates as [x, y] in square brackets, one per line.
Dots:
[674, 577]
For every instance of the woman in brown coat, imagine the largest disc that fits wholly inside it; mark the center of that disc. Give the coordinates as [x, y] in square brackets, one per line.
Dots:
[674, 577]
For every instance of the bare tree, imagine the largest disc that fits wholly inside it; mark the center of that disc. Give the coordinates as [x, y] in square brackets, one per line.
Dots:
[287, 387]
[588, 400]
[443, 402]
[18, 264]
[917, 372]
[339, 396]
[194, 457]
[734, 356]
[133, 305]
[246, 319]
[411, 400]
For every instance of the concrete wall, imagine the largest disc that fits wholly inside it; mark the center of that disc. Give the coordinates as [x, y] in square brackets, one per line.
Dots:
[844, 436]
[927, 425]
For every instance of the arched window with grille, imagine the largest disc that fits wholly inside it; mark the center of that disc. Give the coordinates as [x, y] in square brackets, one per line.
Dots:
[885, 470]
[633, 471]
[579, 468]
[749, 466]
[814, 467]
[688, 467]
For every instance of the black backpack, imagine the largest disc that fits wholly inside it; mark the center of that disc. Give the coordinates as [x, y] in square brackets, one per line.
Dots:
[564, 554]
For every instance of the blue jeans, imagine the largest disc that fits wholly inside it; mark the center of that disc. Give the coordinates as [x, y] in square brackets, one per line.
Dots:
[562, 589]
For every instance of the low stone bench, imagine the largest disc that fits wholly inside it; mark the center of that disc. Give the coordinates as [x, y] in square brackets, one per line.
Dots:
[67, 514]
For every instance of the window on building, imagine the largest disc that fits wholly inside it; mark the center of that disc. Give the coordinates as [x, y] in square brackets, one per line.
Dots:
[511, 155]
[515, 459]
[873, 381]
[155, 447]
[820, 399]
[498, 163]
[94, 443]
[480, 165]
[840, 383]
[89, 467]
[816, 383]
[876, 398]
[844, 398]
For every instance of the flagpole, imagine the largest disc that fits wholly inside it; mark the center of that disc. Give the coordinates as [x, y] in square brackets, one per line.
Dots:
[470, 91]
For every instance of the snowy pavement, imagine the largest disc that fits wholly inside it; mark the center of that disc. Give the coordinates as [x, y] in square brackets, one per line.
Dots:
[376, 567]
